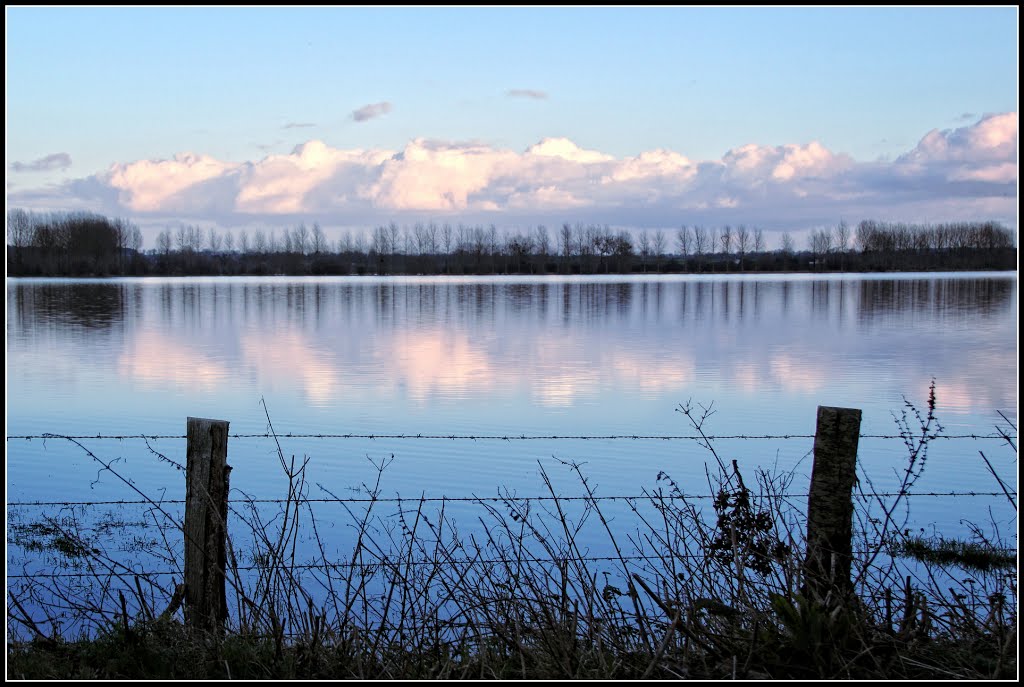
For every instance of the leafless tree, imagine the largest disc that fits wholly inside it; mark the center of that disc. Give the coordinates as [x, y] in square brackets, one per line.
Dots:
[702, 240]
[164, 242]
[446, 238]
[300, 239]
[758, 240]
[787, 244]
[393, 237]
[744, 240]
[842, 236]
[432, 238]
[181, 238]
[19, 228]
[658, 242]
[684, 240]
[318, 241]
[213, 240]
[821, 241]
[543, 242]
[725, 239]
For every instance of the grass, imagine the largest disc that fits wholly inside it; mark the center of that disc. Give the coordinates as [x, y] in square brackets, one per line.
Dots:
[694, 591]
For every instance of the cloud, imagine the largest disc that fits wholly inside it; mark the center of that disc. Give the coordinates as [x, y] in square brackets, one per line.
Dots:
[526, 93]
[371, 111]
[43, 164]
[964, 173]
[298, 125]
[163, 185]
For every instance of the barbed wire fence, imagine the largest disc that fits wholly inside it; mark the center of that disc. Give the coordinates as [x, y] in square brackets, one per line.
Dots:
[296, 500]
[506, 437]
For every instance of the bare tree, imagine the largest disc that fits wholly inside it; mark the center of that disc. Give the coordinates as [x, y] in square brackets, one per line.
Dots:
[758, 240]
[725, 239]
[164, 242]
[300, 239]
[702, 240]
[787, 245]
[446, 238]
[318, 241]
[684, 240]
[345, 242]
[842, 236]
[381, 240]
[181, 238]
[658, 243]
[135, 240]
[543, 242]
[821, 241]
[743, 239]
[432, 238]
[19, 232]
[213, 241]
[393, 237]
[644, 244]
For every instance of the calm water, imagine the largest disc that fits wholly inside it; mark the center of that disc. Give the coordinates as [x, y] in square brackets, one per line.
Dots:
[506, 356]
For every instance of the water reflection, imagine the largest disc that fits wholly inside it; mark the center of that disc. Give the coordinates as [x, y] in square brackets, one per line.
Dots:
[554, 343]
[885, 298]
[89, 306]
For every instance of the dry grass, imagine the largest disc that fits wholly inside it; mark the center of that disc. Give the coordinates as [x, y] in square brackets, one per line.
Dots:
[692, 591]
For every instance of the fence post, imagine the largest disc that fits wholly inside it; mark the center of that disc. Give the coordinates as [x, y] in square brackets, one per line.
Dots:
[830, 504]
[206, 510]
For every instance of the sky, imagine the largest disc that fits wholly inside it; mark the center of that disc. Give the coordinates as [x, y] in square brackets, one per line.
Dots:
[786, 119]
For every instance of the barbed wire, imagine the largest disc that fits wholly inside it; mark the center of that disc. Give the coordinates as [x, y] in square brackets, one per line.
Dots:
[392, 563]
[476, 499]
[499, 437]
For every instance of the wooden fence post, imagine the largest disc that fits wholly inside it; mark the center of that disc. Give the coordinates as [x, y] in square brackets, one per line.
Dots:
[830, 505]
[206, 511]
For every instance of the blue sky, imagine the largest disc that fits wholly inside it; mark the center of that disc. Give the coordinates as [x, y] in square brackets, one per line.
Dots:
[628, 116]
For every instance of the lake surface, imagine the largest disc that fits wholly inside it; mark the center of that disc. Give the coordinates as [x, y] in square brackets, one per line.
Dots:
[506, 357]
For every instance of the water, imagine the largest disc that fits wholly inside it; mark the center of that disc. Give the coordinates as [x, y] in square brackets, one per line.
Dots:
[507, 357]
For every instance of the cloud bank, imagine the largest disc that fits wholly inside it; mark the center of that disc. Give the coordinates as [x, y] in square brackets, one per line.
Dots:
[964, 173]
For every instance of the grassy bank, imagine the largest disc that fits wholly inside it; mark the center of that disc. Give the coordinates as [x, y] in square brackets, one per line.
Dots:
[696, 588]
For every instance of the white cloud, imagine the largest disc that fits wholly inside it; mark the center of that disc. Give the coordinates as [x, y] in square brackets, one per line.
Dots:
[985, 151]
[566, 150]
[760, 164]
[969, 172]
[151, 185]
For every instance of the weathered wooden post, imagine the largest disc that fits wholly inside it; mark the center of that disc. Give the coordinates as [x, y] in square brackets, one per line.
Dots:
[830, 505]
[206, 514]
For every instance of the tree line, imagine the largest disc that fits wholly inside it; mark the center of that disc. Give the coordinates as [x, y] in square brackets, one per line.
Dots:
[79, 243]
[72, 243]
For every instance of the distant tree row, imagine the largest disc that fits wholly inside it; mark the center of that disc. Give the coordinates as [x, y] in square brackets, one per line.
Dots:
[72, 243]
[85, 243]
